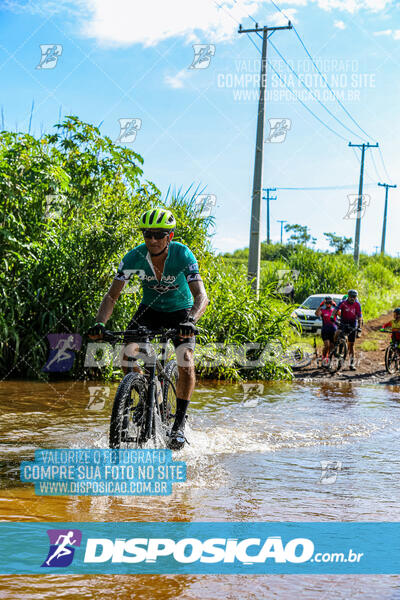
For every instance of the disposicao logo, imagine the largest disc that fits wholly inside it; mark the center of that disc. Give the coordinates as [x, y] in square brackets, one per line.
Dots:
[190, 550]
[62, 542]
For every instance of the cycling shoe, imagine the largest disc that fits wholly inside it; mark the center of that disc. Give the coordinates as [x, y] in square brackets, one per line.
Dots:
[176, 439]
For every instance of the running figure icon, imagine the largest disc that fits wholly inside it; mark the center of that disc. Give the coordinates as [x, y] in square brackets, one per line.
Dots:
[62, 549]
[63, 543]
[62, 351]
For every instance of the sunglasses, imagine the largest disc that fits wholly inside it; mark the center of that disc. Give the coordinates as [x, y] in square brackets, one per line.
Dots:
[157, 235]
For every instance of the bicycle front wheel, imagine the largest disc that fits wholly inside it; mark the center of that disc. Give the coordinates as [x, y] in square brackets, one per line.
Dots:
[128, 413]
[337, 356]
[391, 360]
[168, 406]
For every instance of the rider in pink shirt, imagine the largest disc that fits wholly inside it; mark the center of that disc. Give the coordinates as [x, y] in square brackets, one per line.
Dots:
[328, 329]
[350, 320]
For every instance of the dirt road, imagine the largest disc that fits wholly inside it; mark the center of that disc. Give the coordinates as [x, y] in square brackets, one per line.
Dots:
[370, 363]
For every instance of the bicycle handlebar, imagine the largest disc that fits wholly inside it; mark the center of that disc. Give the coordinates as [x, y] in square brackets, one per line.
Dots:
[141, 333]
[348, 329]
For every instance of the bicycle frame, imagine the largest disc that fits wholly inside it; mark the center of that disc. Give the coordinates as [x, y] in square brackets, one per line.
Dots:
[345, 334]
[143, 337]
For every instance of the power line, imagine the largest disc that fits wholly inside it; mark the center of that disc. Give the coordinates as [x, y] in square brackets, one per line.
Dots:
[323, 77]
[329, 87]
[297, 98]
[383, 163]
[340, 103]
[314, 95]
[324, 187]
[374, 165]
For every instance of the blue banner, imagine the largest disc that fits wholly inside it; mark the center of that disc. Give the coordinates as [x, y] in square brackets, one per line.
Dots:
[103, 472]
[199, 548]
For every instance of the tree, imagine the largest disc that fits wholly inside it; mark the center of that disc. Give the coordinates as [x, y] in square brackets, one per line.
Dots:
[339, 243]
[300, 234]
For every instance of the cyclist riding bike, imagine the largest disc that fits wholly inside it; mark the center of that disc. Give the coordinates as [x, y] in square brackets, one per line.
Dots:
[394, 327]
[328, 329]
[173, 297]
[350, 320]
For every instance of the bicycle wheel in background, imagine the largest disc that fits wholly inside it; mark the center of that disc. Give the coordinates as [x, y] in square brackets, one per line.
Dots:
[128, 412]
[297, 358]
[391, 360]
[168, 406]
[338, 356]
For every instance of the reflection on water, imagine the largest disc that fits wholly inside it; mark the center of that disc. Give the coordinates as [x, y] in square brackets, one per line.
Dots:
[255, 455]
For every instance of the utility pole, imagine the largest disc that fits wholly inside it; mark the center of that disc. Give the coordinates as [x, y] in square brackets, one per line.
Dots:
[281, 222]
[387, 186]
[359, 200]
[268, 198]
[253, 269]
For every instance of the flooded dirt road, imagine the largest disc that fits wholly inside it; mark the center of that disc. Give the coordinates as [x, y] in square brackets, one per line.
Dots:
[255, 455]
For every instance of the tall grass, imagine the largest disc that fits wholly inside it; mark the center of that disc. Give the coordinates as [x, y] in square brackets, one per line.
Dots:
[377, 280]
[58, 262]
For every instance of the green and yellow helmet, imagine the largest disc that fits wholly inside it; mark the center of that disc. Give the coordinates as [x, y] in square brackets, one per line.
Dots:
[157, 218]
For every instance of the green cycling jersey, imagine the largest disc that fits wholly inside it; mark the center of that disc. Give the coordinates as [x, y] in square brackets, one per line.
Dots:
[172, 292]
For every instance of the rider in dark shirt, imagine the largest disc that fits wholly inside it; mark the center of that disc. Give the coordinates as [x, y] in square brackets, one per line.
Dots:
[350, 320]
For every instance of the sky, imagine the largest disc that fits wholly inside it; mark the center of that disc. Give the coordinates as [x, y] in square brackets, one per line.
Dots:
[187, 82]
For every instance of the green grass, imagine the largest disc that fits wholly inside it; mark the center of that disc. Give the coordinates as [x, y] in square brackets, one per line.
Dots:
[56, 269]
[369, 345]
[377, 280]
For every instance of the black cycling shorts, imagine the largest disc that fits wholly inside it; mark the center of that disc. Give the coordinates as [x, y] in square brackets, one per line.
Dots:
[154, 319]
[328, 332]
[347, 326]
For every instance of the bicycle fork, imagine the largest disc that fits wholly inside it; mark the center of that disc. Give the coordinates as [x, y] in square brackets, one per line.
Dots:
[151, 396]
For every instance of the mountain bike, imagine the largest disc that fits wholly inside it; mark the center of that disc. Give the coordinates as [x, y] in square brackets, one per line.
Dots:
[338, 354]
[392, 358]
[145, 403]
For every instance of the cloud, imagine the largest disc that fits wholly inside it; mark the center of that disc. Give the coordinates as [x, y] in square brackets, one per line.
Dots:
[279, 19]
[293, 3]
[177, 81]
[76, 8]
[394, 33]
[353, 6]
[149, 22]
[339, 24]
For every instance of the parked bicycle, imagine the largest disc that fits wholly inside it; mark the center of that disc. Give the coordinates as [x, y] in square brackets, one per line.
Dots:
[297, 358]
[145, 403]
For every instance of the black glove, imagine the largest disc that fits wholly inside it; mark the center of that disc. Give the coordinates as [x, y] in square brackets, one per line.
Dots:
[187, 327]
[96, 330]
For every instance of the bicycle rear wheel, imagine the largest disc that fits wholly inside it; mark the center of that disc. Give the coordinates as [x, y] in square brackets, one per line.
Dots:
[128, 413]
[168, 405]
[391, 360]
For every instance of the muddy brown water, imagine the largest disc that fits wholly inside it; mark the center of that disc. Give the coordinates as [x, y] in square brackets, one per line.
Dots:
[255, 455]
